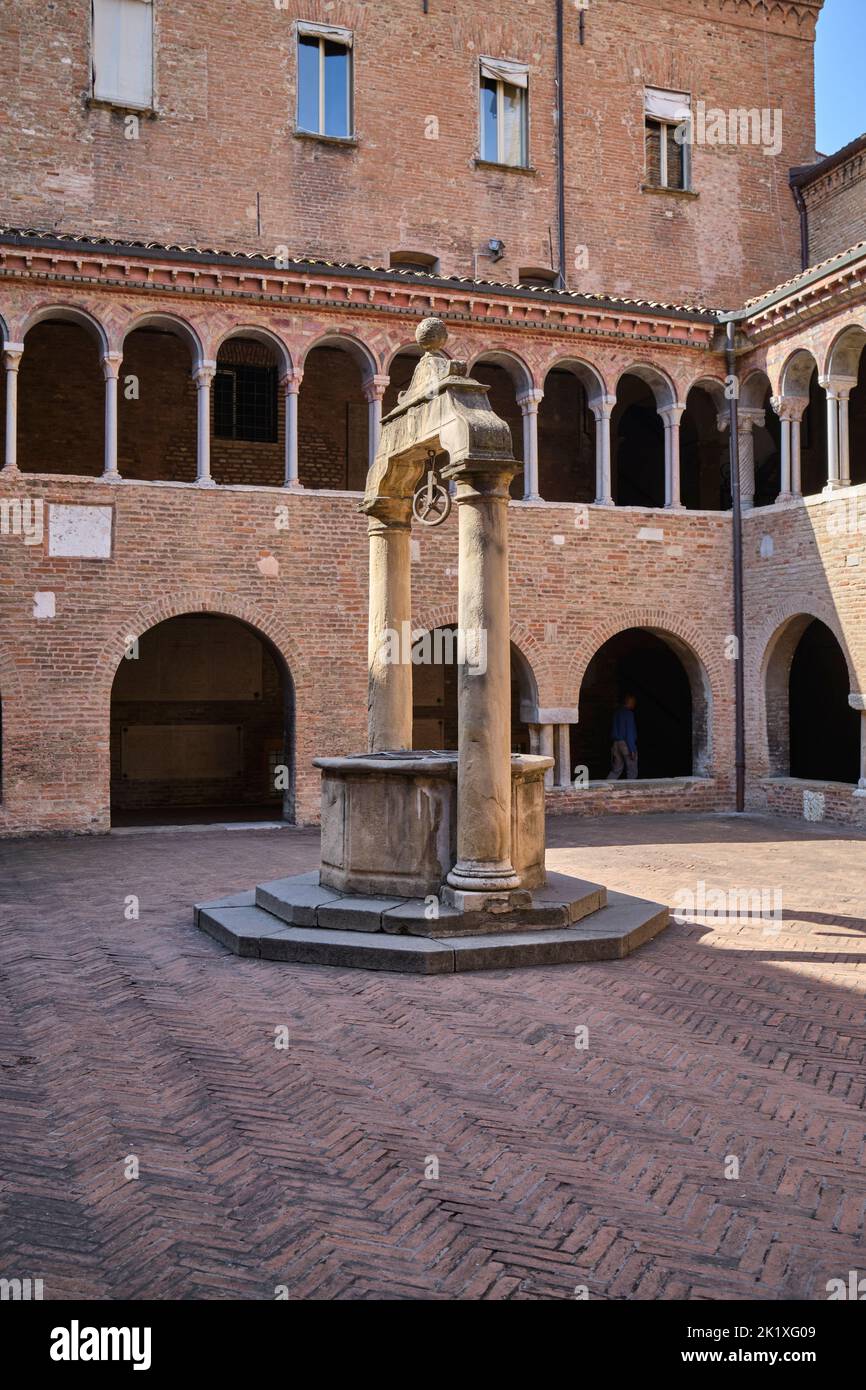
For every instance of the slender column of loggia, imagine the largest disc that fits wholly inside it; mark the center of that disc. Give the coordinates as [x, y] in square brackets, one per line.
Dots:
[484, 682]
[203, 375]
[389, 700]
[838, 389]
[529, 402]
[11, 361]
[602, 409]
[374, 390]
[291, 386]
[671, 419]
[110, 370]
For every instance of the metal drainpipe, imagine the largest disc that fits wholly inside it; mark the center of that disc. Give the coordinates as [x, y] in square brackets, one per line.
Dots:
[560, 135]
[804, 223]
[739, 675]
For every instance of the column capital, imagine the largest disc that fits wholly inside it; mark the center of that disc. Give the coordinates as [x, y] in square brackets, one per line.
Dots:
[838, 387]
[110, 364]
[672, 414]
[857, 701]
[291, 380]
[602, 407]
[791, 408]
[203, 373]
[12, 353]
[530, 400]
[375, 387]
[748, 416]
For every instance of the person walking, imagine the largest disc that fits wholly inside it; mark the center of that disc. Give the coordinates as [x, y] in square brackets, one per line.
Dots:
[623, 741]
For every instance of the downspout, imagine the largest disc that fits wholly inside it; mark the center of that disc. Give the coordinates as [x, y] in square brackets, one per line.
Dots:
[739, 675]
[560, 138]
[804, 221]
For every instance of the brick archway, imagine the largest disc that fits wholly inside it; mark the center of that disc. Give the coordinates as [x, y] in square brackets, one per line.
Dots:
[706, 677]
[768, 674]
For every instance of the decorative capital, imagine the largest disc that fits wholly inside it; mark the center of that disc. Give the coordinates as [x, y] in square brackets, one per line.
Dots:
[857, 701]
[291, 380]
[110, 363]
[12, 353]
[375, 387]
[204, 373]
[530, 400]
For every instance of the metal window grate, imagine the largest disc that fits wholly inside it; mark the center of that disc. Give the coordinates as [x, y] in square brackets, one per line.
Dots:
[245, 403]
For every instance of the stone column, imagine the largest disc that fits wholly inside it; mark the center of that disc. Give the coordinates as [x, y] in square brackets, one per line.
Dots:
[203, 375]
[563, 755]
[671, 419]
[11, 362]
[374, 389]
[484, 685]
[529, 402]
[782, 408]
[110, 369]
[858, 702]
[602, 409]
[291, 384]
[838, 389]
[389, 697]
[748, 418]
[545, 748]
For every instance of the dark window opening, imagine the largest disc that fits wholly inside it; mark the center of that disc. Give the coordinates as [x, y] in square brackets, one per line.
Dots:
[825, 731]
[245, 403]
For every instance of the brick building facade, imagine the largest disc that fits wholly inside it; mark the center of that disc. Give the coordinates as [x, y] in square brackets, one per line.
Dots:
[207, 306]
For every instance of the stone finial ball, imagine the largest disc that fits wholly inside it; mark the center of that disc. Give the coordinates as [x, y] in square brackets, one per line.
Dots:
[431, 334]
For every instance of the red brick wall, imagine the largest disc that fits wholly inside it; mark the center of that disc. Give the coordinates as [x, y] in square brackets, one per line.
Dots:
[836, 206]
[224, 133]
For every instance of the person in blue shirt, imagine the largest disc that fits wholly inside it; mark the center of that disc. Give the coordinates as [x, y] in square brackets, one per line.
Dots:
[623, 741]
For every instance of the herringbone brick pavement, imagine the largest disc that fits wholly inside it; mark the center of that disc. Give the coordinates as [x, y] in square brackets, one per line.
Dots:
[304, 1167]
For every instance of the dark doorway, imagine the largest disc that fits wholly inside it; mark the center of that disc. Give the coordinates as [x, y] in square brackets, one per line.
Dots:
[640, 663]
[825, 731]
[434, 695]
[201, 726]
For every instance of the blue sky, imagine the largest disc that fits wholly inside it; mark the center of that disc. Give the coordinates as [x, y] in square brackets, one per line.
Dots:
[839, 78]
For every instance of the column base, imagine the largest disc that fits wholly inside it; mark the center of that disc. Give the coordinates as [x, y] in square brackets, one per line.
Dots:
[532, 497]
[786, 497]
[10, 470]
[604, 502]
[110, 477]
[205, 482]
[483, 877]
[293, 486]
[835, 485]
[860, 789]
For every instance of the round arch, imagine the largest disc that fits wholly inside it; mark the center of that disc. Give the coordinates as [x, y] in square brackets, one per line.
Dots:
[169, 323]
[705, 678]
[796, 374]
[514, 365]
[658, 382]
[67, 313]
[589, 377]
[845, 351]
[238, 748]
[777, 660]
[264, 336]
[4, 330]
[348, 343]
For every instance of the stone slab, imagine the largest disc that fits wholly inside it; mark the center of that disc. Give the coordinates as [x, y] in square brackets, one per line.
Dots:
[610, 933]
[295, 900]
[356, 914]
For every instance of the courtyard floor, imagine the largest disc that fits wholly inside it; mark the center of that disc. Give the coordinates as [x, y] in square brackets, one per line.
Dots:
[307, 1168]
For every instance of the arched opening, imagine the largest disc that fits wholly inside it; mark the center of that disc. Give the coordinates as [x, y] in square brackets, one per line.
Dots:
[847, 363]
[800, 383]
[637, 445]
[705, 469]
[812, 731]
[434, 692]
[156, 402]
[248, 427]
[672, 706]
[507, 379]
[202, 726]
[333, 417]
[61, 399]
[402, 368]
[566, 439]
